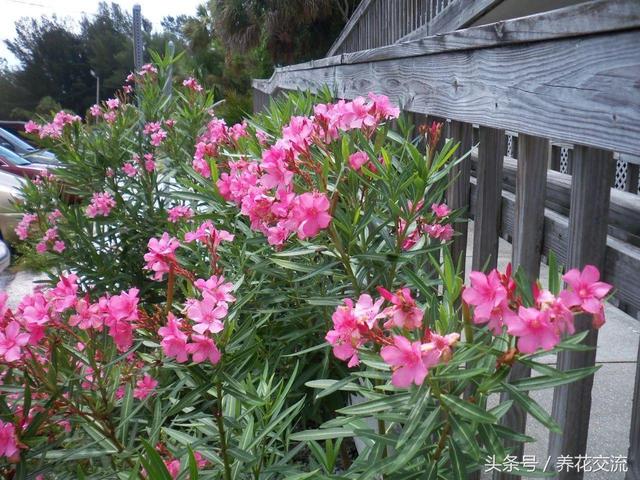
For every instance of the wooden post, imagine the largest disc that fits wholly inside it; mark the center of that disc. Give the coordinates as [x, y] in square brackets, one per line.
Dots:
[531, 181]
[590, 193]
[489, 198]
[459, 190]
[633, 457]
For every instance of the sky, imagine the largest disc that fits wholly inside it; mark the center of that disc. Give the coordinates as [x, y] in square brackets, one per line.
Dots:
[12, 10]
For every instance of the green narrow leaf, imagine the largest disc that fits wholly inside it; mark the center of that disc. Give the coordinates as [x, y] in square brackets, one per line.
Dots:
[533, 408]
[153, 464]
[321, 434]
[468, 410]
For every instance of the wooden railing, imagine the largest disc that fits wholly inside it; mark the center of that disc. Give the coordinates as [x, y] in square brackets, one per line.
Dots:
[569, 75]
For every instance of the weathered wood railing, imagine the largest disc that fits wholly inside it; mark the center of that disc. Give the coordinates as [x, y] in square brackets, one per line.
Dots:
[570, 75]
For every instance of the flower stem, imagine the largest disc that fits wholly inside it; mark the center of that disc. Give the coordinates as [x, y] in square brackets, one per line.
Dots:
[221, 433]
[170, 287]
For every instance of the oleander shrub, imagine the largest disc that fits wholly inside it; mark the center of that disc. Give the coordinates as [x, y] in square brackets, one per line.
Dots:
[265, 294]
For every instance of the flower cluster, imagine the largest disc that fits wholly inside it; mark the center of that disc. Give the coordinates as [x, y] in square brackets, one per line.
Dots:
[495, 302]
[192, 84]
[22, 229]
[264, 190]
[53, 129]
[434, 225]
[354, 325]
[156, 133]
[101, 205]
[174, 466]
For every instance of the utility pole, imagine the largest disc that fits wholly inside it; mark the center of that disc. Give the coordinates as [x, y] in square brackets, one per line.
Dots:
[137, 37]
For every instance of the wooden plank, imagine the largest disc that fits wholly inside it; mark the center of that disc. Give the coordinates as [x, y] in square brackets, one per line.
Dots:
[458, 193]
[360, 10]
[526, 253]
[633, 457]
[485, 233]
[552, 89]
[590, 195]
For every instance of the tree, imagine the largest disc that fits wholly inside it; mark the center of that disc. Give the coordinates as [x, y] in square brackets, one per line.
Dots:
[292, 30]
[53, 61]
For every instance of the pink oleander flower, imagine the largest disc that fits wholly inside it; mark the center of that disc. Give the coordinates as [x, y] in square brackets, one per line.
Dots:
[22, 229]
[127, 89]
[158, 137]
[149, 162]
[382, 108]
[31, 127]
[178, 212]
[238, 130]
[64, 295]
[170, 122]
[216, 288]
[113, 103]
[173, 467]
[559, 313]
[87, 315]
[8, 440]
[121, 331]
[404, 313]
[54, 216]
[263, 138]
[12, 339]
[274, 164]
[439, 231]
[203, 348]
[59, 246]
[406, 361]
[174, 340]
[438, 349]
[490, 300]
[346, 336]
[161, 255]
[41, 247]
[124, 306]
[144, 387]
[311, 214]
[151, 127]
[129, 170]
[366, 311]
[192, 84]
[205, 232]
[586, 292]
[95, 111]
[207, 314]
[110, 116]
[358, 159]
[101, 205]
[440, 210]
[148, 69]
[534, 330]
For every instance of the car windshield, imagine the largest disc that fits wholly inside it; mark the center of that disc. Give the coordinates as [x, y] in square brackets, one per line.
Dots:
[17, 141]
[13, 157]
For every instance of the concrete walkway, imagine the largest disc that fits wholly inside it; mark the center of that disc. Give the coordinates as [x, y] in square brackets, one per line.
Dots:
[613, 384]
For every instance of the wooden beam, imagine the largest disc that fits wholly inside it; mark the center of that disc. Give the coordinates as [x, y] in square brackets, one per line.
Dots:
[553, 89]
[489, 174]
[526, 253]
[590, 195]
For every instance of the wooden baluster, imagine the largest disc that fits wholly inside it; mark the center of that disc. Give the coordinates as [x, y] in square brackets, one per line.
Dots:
[489, 198]
[590, 193]
[458, 194]
[531, 181]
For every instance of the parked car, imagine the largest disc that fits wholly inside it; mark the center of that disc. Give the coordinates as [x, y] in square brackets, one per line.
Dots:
[10, 186]
[11, 162]
[13, 142]
[5, 256]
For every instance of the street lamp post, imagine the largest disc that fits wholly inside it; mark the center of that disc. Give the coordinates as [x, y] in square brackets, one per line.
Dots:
[94, 75]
